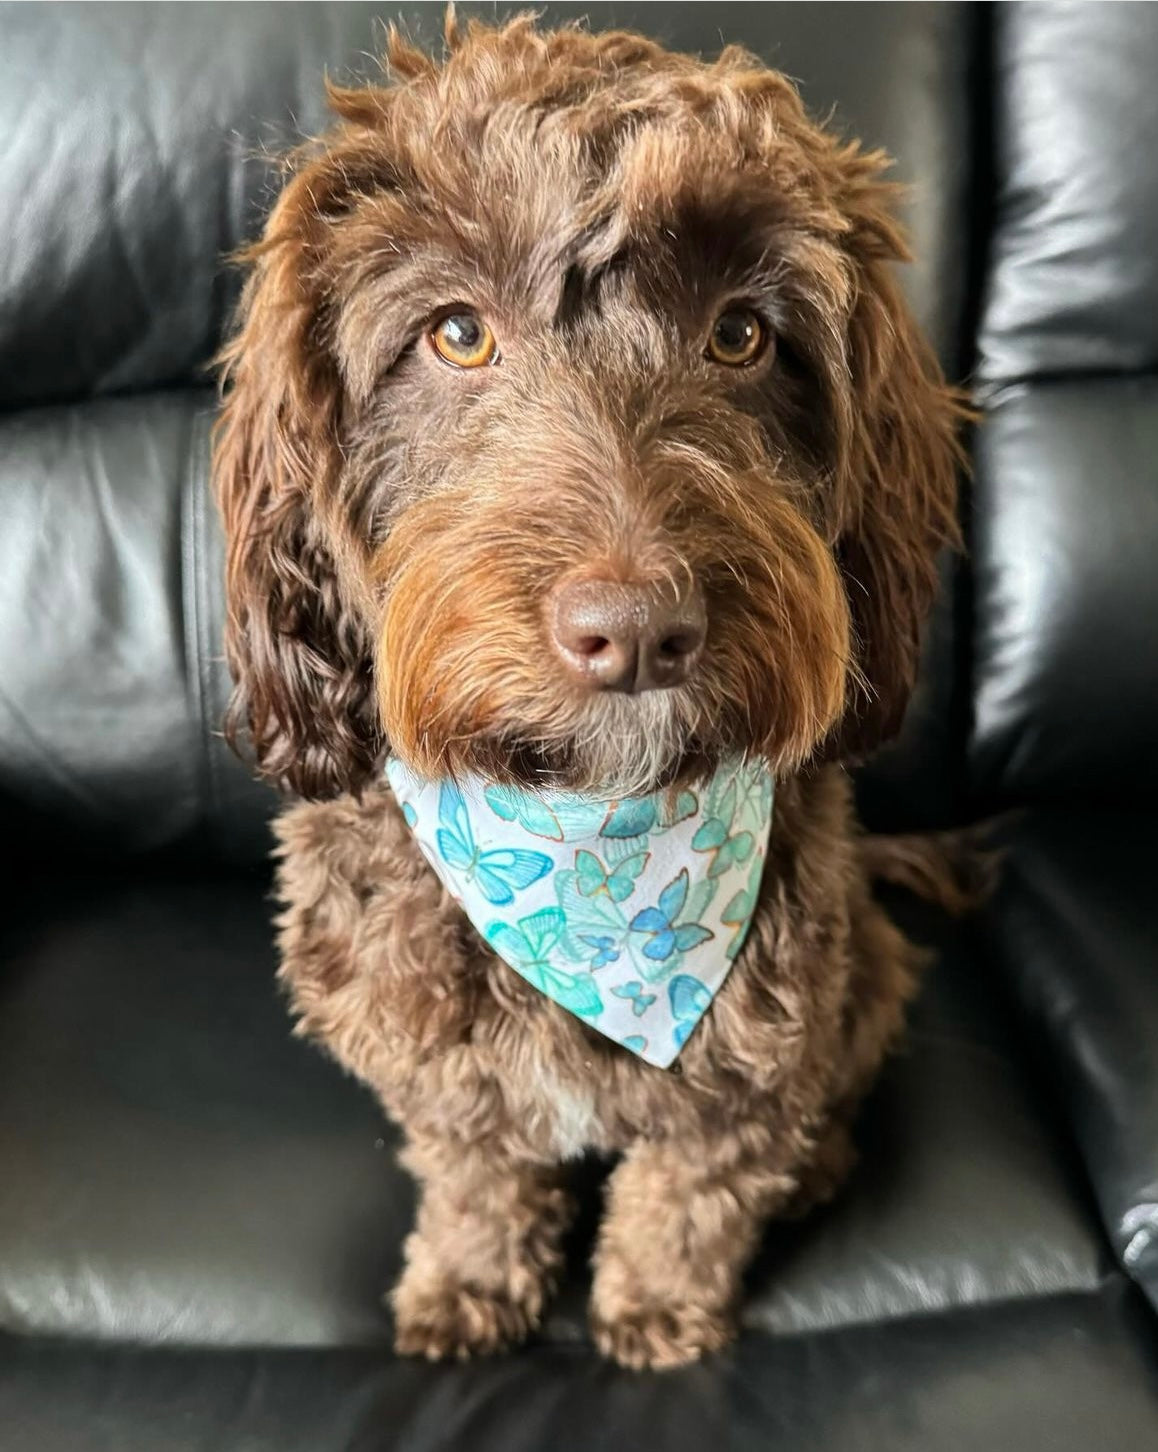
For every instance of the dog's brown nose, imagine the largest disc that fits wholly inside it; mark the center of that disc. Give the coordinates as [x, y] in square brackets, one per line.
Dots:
[627, 637]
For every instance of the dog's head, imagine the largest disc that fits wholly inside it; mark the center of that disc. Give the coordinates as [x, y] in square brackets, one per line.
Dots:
[577, 431]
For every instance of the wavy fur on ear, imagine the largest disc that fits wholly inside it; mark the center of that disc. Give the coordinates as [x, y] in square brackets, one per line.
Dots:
[899, 458]
[299, 655]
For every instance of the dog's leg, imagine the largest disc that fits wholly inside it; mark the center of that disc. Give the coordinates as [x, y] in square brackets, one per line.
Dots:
[682, 1222]
[484, 1253]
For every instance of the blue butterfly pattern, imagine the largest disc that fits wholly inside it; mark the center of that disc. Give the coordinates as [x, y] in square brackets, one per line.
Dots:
[738, 910]
[753, 800]
[632, 990]
[665, 935]
[627, 913]
[604, 946]
[716, 835]
[689, 1000]
[617, 881]
[640, 816]
[555, 816]
[499, 873]
[527, 945]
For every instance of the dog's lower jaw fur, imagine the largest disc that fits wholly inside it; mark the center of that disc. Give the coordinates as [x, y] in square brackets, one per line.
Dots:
[495, 1087]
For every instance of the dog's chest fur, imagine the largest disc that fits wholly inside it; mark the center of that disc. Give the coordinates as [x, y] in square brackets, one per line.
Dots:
[383, 968]
[567, 1112]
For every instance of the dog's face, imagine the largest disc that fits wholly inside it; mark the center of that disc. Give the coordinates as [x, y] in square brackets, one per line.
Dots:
[577, 434]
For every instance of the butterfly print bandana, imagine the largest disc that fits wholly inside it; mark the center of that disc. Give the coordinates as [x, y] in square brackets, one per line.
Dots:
[628, 913]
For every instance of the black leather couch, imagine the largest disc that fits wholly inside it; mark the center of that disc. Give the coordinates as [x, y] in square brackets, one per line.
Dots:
[197, 1212]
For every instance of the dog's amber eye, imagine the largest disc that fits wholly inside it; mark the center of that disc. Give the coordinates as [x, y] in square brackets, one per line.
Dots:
[464, 340]
[737, 338]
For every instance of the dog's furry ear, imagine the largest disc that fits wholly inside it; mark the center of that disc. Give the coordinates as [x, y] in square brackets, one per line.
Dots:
[898, 459]
[301, 664]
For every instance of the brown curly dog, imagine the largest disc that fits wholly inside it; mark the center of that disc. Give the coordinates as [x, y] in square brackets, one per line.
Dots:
[567, 310]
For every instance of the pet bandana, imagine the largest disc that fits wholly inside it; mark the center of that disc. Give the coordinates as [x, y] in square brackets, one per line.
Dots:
[627, 913]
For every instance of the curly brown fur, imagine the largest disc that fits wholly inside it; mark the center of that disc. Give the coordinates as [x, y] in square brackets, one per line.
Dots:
[957, 870]
[395, 528]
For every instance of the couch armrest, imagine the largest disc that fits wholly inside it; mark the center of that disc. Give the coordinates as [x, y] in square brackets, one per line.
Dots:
[1074, 925]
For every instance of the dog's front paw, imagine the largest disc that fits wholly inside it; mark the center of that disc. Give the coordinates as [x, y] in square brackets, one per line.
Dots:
[442, 1319]
[659, 1336]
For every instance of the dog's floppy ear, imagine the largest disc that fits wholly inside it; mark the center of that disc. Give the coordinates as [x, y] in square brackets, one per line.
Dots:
[898, 458]
[302, 668]
[298, 650]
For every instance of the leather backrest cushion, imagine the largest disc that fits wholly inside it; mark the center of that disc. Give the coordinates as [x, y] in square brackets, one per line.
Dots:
[111, 681]
[1065, 558]
[1065, 639]
[137, 145]
[131, 165]
[1073, 281]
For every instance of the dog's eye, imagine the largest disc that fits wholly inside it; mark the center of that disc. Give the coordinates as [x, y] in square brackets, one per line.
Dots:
[738, 337]
[464, 340]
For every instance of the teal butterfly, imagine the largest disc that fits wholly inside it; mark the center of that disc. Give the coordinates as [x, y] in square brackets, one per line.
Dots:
[500, 873]
[689, 1000]
[554, 817]
[738, 911]
[526, 946]
[753, 796]
[728, 851]
[637, 816]
[714, 835]
[531, 812]
[633, 992]
[596, 933]
[635, 1042]
[665, 935]
[604, 946]
[617, 882]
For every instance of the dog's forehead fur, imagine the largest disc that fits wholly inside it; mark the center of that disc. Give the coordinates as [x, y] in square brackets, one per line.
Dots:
[591, 107]
[529, 165]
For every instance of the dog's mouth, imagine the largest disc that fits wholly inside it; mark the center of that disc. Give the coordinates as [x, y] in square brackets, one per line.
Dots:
[534, 766]
[620, 746]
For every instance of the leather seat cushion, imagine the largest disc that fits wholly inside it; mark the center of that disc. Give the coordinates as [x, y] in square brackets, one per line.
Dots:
[178, 1168]
[1071, 1372]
